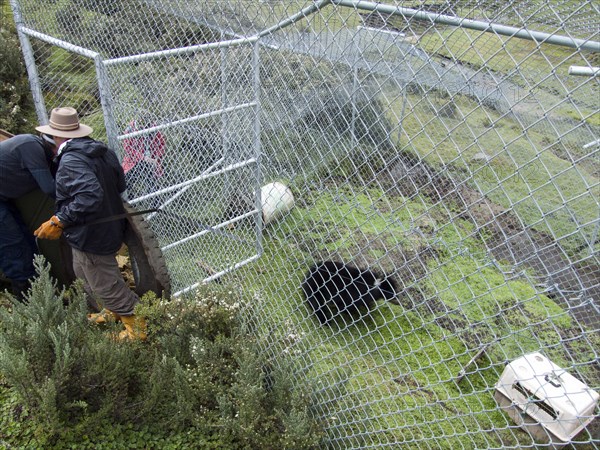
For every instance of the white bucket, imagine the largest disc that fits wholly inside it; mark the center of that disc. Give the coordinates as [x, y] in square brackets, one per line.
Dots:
[276, 199]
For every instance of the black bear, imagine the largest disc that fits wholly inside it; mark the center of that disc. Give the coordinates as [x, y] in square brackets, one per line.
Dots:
[332, 287]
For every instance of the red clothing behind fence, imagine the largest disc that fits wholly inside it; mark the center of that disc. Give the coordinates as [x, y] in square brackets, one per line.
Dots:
[143, 147]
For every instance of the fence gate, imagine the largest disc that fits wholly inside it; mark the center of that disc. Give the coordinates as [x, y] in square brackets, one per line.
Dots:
[199, 111]
[195, 112]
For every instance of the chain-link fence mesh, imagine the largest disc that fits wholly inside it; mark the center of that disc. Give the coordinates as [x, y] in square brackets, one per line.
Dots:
[452, 146]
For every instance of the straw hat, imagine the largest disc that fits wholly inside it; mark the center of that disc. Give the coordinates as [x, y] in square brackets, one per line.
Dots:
[64, 123]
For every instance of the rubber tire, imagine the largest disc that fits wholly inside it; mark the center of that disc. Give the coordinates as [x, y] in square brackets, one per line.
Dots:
[147, 261]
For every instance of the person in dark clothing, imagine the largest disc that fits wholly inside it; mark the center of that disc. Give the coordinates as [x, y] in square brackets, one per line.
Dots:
[89, 184]
[26, 164]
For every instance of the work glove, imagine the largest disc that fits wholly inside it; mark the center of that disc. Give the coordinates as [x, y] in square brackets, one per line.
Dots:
[51, 229]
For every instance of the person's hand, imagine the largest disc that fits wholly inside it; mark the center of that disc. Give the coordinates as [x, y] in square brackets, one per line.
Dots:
[150, 160]
[51, 229]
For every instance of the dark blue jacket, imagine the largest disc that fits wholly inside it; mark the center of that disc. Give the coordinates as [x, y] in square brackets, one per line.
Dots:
[89, 183]
[25, 165]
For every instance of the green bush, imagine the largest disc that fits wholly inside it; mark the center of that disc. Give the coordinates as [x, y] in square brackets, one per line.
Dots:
[199, 380]
[16, 104]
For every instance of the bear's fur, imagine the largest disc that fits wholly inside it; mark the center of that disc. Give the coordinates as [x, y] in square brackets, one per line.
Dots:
[332, 287]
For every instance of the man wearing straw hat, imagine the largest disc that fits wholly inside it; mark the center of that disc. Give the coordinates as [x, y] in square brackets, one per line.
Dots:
[89, 184]
[26, 164]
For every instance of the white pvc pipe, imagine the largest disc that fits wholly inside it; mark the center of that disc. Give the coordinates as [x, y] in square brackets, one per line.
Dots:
[584, 71]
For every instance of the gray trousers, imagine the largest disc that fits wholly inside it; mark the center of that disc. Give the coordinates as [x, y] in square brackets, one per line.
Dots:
[103, 280]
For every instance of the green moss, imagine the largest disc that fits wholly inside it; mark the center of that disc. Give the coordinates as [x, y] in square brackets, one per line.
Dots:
[480, 291]
[331, 220]
[593, 119]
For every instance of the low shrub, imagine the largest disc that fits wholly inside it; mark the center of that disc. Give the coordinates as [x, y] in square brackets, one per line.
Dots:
[199, 381]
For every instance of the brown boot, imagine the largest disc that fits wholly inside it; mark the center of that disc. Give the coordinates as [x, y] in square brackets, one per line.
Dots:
[135, 328]
[103, 317]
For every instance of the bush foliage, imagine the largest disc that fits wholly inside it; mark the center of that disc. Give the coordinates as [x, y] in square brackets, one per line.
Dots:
[199, 381]
[17, 114]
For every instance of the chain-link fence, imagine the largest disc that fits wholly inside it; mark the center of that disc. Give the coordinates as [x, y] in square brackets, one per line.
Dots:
[451, 146]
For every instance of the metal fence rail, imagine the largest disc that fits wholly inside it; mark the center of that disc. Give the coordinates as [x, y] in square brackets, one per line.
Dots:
[452, 146]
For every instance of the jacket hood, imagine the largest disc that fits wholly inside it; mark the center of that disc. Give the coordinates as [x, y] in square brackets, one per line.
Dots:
[85, 146]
